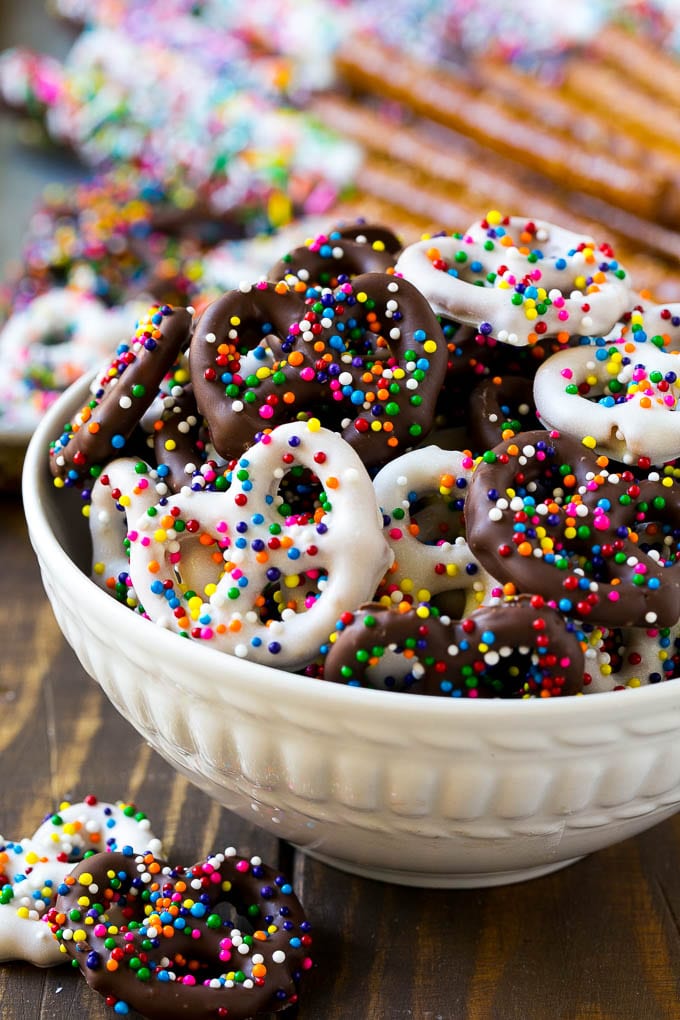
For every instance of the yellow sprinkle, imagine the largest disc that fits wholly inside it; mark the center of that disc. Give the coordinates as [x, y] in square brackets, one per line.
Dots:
[493, 217]
[590, 442]
[313, 424]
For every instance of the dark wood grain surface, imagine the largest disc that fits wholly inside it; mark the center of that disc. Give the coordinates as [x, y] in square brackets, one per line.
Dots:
[597, 941]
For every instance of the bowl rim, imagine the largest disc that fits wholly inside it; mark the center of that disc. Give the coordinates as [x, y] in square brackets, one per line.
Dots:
[604, 706]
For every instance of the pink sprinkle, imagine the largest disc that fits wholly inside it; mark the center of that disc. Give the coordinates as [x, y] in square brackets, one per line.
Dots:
[613, 596]
[567, 373]
[207, 633]
[563, 315]
[146, 540]
[188, 979]
[266, 411]
[396, 534]
[601, 522]
[242, 865]
[99, 930]
[307, 374]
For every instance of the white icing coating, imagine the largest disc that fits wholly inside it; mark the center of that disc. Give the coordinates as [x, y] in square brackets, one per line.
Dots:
[110, 517]
[342, 550]
[32, 869]
[648, 319]
[474, 279]
[424, 565]
[643, 377]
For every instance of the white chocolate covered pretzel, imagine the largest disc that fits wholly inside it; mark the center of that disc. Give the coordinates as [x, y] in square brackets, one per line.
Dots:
[421, 495]
[120, 494]
[32, 870]
[255, 550]
[519, 280]
[620, 397]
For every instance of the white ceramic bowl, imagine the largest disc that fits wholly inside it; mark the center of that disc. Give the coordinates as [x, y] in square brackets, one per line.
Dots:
[401, 787]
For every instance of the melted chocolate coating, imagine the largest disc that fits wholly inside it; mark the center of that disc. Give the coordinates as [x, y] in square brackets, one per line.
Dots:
[374, 346]
[162, 937]
[104, 425]
[471, 658]
[177, 440]
[499, 403]
[322, 263]
[541, 514]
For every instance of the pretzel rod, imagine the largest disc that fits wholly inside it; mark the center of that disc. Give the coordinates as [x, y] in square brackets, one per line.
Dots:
[411, 191]
[443, 97]
[450, 159]
[576, 122]
[432, 203]
[639, 59]
[655, 122]
[486, 180]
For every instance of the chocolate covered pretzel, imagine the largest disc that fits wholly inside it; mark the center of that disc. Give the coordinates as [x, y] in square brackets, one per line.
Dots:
[223, 938]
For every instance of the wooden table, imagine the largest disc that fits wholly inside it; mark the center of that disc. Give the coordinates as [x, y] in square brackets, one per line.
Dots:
[597, 941]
